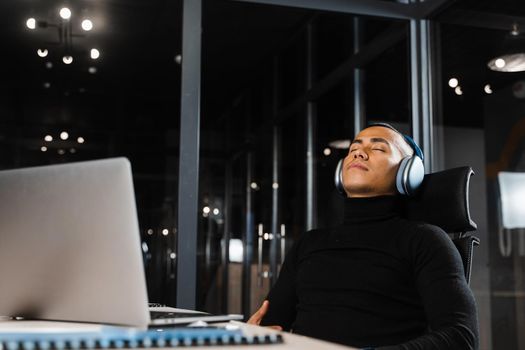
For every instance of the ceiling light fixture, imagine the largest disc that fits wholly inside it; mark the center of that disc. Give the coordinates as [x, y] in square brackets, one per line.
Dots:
[31, 23]
[512, 57]
[340, 144]
[43, 149]
[42, 53]
[67, 59]
[92, 70]
[95, 54]
[488, 89]
[87, 25]
[458, 91]
[64, 135]
[65, 13]
[49, 65]
[48, 138]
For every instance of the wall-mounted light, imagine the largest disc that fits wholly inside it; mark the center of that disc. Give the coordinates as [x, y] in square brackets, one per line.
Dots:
[236, 250]
[512, 210]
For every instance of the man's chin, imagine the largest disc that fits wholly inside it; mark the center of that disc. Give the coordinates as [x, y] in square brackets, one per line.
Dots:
[359, 190]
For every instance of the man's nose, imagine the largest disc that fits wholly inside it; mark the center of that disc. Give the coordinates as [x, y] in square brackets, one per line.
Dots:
[360, 154]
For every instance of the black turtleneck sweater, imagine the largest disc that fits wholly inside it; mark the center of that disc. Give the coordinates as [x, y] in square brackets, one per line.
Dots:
[377, 280]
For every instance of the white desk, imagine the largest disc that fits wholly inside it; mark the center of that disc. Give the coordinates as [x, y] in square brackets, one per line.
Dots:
[291, 341]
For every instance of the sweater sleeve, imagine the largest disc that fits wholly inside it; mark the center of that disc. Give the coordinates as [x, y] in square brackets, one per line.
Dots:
[448, 302]
[283, 296]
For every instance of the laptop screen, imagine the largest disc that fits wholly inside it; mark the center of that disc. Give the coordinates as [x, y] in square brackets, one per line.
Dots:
[70, 244]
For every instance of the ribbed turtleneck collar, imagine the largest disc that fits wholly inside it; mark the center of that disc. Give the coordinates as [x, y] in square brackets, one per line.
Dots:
[368, 209]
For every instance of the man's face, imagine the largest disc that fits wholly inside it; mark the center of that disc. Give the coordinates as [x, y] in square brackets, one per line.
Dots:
[371, 165]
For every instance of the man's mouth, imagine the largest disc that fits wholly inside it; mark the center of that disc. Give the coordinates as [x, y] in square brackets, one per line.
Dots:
[358, 166]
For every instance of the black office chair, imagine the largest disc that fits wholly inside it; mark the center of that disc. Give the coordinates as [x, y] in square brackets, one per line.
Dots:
[443, 201]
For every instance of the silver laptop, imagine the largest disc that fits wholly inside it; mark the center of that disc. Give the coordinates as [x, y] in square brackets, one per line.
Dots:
[70, 246]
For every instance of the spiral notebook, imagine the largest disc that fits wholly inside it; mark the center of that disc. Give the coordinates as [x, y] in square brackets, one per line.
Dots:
[118, 338]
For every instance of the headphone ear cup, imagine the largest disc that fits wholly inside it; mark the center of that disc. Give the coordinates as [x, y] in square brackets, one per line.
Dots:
[410, 175]
[338, 178]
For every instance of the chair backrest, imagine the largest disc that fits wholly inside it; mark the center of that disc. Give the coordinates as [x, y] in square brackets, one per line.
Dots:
[443, 201]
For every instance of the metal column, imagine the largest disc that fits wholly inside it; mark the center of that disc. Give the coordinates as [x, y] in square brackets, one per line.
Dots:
[311, 139]
[276, 165]
[189, 154]
[228, 196]
[421, 85]
[248, 241]
[359, 76]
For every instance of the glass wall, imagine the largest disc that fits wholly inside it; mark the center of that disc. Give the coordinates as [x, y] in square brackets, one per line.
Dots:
[480, 124]
[274, 132]
[99, 80]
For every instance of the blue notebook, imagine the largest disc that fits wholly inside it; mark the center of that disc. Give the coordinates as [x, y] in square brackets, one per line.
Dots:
[118, 338]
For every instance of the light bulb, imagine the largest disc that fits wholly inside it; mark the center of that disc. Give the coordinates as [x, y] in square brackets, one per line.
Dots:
[488, 89]
[87, 25]
[453, 82]
[65, 13]
[80, 139]
[42, 53]
[31, 23]
[500, 63]
[67, 59]
[95, 54]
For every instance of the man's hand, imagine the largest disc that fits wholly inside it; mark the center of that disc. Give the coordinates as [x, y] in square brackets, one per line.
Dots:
[259, 314]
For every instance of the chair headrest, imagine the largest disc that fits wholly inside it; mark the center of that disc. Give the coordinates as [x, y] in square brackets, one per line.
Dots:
[442, 200]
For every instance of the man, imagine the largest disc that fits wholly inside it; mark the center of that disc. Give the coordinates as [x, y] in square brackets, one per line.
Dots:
[377, 280]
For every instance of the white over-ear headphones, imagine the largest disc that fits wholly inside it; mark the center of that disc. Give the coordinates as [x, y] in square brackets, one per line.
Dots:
[409, 175]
